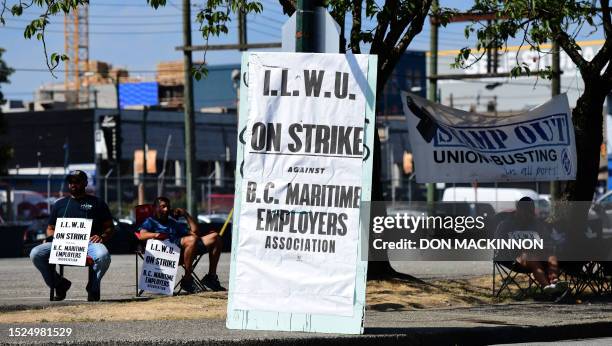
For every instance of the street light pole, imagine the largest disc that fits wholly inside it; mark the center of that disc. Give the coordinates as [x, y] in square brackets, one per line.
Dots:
[305, 35]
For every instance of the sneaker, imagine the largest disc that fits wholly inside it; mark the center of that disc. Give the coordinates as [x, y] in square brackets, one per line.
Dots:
[558, 290]
[92, 296]
[211, 281]
[188, 285]
[61, 289]
[564, 297]
[562, 285]
[550, 289]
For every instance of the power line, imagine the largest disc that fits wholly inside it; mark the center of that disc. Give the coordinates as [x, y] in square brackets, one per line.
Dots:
[259, 28]
[107, 23]
[273, 5]
[18, 92]
[109, 32]
[34, 69]
[135, 16]
[261, 15]
[143, 5]
[264, 33]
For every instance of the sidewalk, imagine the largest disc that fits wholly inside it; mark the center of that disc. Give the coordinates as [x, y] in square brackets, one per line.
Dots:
[477, 325]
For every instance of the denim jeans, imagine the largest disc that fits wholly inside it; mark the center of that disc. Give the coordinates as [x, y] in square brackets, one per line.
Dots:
[97, 251]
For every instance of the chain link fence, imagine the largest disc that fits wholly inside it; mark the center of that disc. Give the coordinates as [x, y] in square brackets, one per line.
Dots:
[26, 198]
[32, 196]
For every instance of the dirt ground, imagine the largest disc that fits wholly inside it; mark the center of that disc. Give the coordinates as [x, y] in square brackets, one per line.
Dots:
[381, 296]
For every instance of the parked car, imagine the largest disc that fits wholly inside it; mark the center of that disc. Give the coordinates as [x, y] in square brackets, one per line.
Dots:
[208, 222]
[123, 241]
[502, 199]
[602, 210]
[25, 204]
[35, 233]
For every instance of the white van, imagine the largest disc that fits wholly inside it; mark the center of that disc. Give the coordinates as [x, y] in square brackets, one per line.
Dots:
[25, 204]
[504, 198]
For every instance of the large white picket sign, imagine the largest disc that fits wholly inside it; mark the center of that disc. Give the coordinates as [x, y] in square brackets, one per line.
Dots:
[304, 152]
[70, 241]
[454, 146]
[160, 265]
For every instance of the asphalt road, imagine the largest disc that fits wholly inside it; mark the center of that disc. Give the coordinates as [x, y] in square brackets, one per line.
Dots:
[20, 282]
[584, 342]
[21, 286]
[496, 324]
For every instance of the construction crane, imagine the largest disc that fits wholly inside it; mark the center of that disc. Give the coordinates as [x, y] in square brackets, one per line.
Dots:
[76, 47]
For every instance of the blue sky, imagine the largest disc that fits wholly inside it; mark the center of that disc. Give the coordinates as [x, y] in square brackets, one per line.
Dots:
[130, 34]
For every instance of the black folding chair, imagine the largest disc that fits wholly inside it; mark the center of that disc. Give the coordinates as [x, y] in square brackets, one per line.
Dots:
[510, 272]
[583, 275]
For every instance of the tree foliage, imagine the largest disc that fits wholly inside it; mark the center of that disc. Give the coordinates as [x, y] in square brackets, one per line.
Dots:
[537, 23]
[213, 17]
[396, 23]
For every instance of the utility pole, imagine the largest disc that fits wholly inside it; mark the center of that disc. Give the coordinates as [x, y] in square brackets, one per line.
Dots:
[555, 186]
[242, 30]
[118, 159]
[305, 36]
[145, 116]
[188, 110]
[142, 184]
[432, 90]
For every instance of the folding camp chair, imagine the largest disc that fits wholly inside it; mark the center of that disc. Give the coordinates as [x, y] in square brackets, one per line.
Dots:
[142, 212]
[606, 268]
[583, 275]
[509, 272]
[91, 274]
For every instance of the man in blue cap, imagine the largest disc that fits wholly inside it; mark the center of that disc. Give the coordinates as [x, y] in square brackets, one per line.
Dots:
[78, 205]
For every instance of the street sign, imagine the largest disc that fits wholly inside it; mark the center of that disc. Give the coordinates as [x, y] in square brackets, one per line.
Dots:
[111, 129]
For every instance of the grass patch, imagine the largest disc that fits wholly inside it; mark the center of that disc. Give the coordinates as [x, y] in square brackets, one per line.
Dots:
[390, 295]
[398, 295]
[196, 306]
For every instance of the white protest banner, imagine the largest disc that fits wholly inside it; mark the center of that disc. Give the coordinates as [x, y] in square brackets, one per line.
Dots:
[161, 261]
[70, 241]
[305, 169]
[454, 146]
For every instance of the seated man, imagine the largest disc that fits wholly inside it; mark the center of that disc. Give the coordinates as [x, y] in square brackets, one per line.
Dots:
[164, 226]
[78, 205]
[544, 265]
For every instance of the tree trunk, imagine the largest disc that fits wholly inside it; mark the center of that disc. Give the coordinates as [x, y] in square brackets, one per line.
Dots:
[380, 269]
[588, 126]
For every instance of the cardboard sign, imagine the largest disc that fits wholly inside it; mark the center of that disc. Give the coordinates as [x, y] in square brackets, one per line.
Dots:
[70, 241]
[453, 146]
[305, 169]
[161, 261]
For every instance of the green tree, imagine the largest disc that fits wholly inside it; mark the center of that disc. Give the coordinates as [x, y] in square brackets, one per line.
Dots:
[539, 22]
[5, 149]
